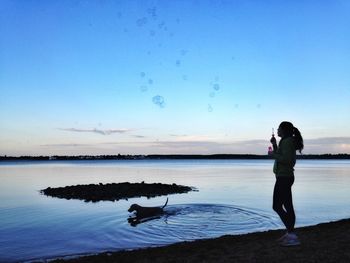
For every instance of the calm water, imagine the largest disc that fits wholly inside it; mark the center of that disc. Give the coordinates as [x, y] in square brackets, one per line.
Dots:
[234, 197]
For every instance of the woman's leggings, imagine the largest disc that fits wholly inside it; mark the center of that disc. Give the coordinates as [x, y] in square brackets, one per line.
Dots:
[282, 201]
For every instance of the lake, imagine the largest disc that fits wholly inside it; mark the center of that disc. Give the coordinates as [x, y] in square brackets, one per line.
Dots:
[233, 197]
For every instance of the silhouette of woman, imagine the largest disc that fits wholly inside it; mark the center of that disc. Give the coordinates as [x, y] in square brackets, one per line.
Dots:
[285, 158]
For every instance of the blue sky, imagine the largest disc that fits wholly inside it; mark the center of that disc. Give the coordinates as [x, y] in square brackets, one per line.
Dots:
[143, 77]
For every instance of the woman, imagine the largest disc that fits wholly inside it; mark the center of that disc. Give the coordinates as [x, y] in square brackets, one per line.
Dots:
[283, 168]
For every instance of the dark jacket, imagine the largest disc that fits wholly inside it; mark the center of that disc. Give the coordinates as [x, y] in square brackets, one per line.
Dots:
[285, 158]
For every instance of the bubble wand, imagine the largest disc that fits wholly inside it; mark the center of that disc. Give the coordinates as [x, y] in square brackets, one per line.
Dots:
[270, 149]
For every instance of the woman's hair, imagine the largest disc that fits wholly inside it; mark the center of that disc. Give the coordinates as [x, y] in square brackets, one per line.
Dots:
[290, 131]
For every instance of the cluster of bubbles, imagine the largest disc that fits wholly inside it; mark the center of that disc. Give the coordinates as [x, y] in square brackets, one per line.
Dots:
[144, 86]
[152, 25]
[153, 16]
[159, 100]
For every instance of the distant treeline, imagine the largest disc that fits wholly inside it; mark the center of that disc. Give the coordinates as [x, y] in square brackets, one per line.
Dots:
[168, 156]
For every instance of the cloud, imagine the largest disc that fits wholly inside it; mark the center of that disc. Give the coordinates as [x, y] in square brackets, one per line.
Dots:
[98, 131]
[195, 146]
[327, 145]
[65, 145]
[139, 136]
[328, 140]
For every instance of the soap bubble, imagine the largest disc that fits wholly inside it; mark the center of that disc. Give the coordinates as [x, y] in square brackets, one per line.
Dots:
[143, 88]
[212, 94]
[183, 52]
[258, 106]
[150, 81]
[158, 100]
[152, 33]
[142, 74]
[141, 21]
[216, 87]
[216, 78]
[184, 77]
[178, 62]
[161, 25]
[152, 12]
[210, 108]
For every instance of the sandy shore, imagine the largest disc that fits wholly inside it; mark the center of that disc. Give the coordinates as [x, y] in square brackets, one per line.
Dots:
[328, 242]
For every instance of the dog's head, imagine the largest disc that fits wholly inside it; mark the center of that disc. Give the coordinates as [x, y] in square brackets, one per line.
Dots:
[133, 207]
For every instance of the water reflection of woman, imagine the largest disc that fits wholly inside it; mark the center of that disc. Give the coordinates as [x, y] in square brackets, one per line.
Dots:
[285, 158]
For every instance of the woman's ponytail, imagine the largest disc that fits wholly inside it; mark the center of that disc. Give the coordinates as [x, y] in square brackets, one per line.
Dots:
[298, 140]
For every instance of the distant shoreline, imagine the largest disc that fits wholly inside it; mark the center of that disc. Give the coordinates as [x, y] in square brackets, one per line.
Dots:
[171, 157]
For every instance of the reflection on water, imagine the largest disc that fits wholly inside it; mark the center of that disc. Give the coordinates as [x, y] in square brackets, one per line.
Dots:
[234, 197]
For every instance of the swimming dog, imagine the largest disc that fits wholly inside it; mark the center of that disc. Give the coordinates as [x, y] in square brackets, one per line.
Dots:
[142, 211]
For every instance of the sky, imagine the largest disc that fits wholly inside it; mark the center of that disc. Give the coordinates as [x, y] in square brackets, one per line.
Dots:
[83, 77]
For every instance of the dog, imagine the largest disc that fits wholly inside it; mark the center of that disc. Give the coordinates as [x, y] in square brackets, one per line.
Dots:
[143, 212]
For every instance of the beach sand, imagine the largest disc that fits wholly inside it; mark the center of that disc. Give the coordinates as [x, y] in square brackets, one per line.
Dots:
[327, 242]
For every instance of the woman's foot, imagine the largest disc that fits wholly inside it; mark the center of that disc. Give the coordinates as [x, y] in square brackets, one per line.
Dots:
[291, 239]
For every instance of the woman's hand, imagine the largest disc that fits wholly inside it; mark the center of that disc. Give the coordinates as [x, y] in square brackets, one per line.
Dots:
[273, 141]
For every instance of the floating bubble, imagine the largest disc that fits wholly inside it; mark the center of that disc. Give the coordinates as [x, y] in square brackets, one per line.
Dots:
[183, 52]
[161, 25]
[216, 87]
[258, 106]
[216, 78]
[150, 81]
[233, 58]
[142, 74]
[212, 94]
[152, 33]
[143, 88]
[177, 20]
[149, 52]
[184, 77]
[236, 105]
[178, 62]
[158, 100]
[141, 21]
[210, 108]
[152, 11]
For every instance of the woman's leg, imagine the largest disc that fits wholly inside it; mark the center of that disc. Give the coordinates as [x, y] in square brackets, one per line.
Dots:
[288, 206]
[282, 197]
